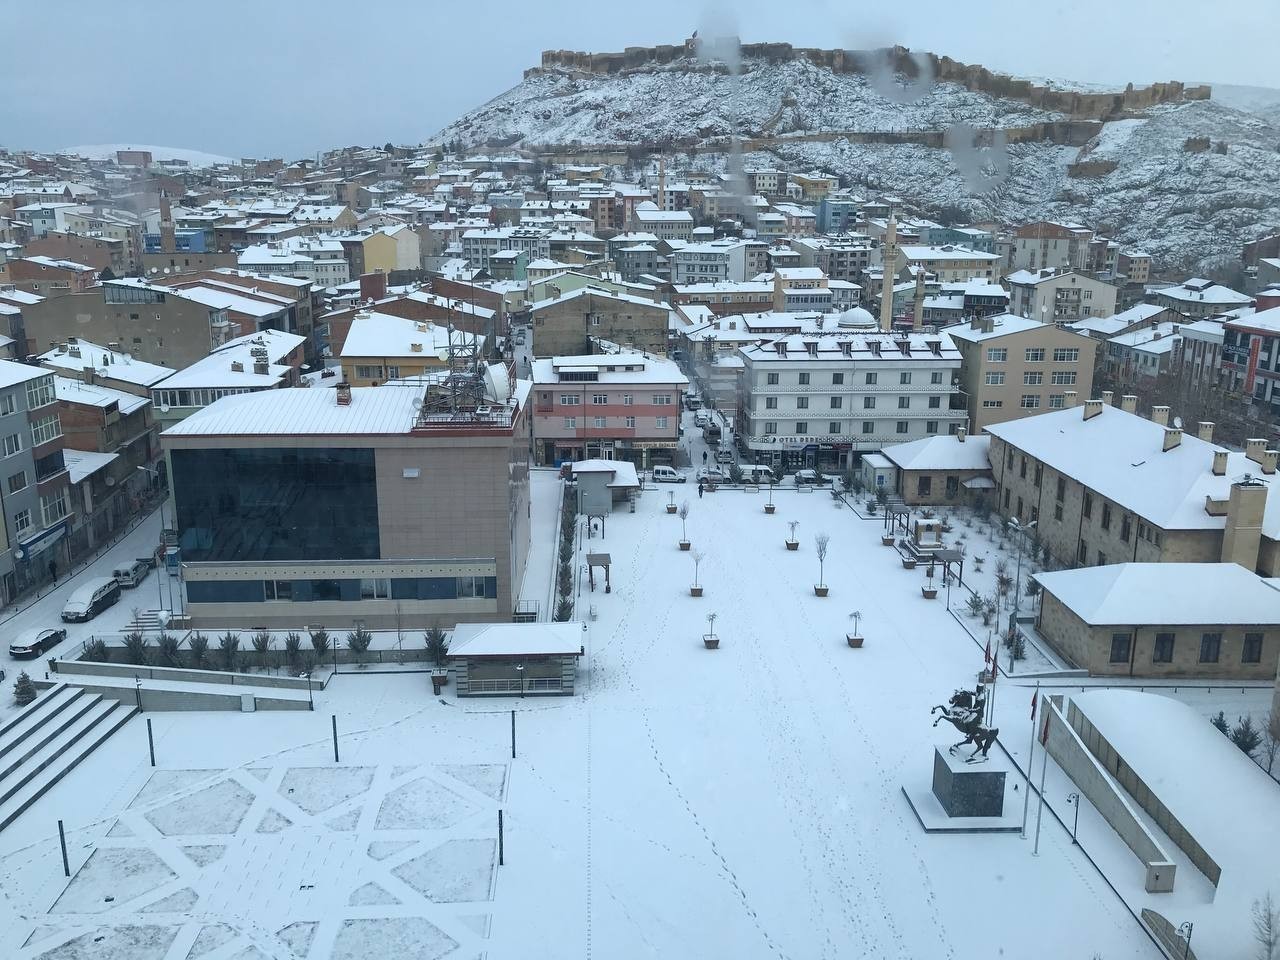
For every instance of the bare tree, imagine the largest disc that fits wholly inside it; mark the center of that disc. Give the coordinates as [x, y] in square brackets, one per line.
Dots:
[683, 513]
[697, 562]
[1266, 926]
[820, 544]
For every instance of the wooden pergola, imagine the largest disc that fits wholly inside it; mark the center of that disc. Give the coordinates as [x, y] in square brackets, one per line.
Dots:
[598, 560]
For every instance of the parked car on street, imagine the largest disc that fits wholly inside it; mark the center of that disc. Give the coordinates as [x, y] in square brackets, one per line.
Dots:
[663, 474]
[131, 574]
[810, 476]
[710, 474]
[32, 643]
[91, 599]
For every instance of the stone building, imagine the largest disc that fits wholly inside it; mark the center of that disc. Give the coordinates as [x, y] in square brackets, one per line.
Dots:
[565, 325]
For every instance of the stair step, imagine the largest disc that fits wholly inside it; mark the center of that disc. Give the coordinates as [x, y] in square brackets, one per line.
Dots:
[47, 705]
[16, 752]
[50, 752]
[55, 767]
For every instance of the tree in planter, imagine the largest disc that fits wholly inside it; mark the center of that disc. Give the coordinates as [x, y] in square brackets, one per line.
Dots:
[1246, 736]
[169, 650]
[697, 562]
[564, 580]
[683, 514]
[437, 644]
[820, 543]
[358, 641]
[1017, 646]
[261, 641]
[976, 605]
[792, 524]
[293, 649]
[989, 610]
[1270, 742]
[320, 642]
[564, 610]
[856, 617]
[198, 644]
[735, 473]
[96, 651]
[1266, 927]
[136, 648]
[24, 691]
[1004, 582]
[229, 645]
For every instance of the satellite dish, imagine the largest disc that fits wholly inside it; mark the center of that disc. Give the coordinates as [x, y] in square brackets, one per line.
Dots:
[166, 270]
[1177, 423]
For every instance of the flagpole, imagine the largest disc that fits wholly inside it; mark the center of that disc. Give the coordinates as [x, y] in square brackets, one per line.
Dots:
[1026, 797]
[1044, 768]
[995, 675]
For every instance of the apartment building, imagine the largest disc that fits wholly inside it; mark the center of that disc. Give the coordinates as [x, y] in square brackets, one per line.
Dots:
[322, 261]
[381, 347]
[89, 362]
[963, 301]
[1016, 367]
[373, 505]
[727, 298]
[663, 224]
[1134, 266]
[48, 277]
[1105, 485]
[717, 261]
[480, 244]
[566, 324]
[1251, 359]
[618, 406]
[117, 426]
[1049, 245]
[1196, 356]
[34, 486]
[1054, 297]
[1201, 298]
[822, 399]
[840, 258]
[947, 263]
[98, 253]
[1141, 354]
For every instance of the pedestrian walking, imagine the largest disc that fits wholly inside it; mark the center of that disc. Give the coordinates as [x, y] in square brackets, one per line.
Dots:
[699, 489]
[53, 571]
[704, 457]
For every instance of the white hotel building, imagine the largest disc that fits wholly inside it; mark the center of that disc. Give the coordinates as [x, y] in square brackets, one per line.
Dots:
[822, 400]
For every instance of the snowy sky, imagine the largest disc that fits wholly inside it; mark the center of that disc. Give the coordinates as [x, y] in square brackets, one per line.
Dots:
[243, 77]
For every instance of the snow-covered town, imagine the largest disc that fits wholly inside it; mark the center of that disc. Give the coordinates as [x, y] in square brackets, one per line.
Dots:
[436, 549]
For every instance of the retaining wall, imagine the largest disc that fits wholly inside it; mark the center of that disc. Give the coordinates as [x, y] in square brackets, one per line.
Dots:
[71, 669]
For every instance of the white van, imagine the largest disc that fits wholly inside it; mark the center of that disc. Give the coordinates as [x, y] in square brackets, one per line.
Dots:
[757, 473]
[91, 599]
[664, 474]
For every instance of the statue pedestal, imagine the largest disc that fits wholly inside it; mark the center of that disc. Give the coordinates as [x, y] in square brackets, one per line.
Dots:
[967, 797]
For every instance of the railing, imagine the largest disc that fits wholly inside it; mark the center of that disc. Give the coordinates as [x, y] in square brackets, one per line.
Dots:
[533, 685]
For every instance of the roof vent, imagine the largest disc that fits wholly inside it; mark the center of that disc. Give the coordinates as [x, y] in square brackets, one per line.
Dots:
[261, 367]
[1092, 408]
[1219, 463]
[415, 347]
[237, 366]
[1160, 415]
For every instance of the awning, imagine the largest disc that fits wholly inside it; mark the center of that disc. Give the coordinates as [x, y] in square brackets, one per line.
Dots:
[43, 540]
[979, 483]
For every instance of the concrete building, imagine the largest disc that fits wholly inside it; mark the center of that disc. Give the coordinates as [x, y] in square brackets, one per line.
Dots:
[1141, 354]
[92, 363]
[1201, 298]
[840, 258]
[98, 253]
[516, 659]
[320, 260]
[1046, 244]
[1108, 486]
[821, 399]
[1134, 266]
[727, 298]
[962, 302]
[1137, 317]
[615, 406]
[664, 224]
[1053, 297]
[717, 261]
[1196, 357]
[566, 324]
[950, 470]
[1163, 620]
[48, 277]
[381, 347]
[1251, 359]
[947, 263]
[1015, 367]
[480, 244]
[365, 505]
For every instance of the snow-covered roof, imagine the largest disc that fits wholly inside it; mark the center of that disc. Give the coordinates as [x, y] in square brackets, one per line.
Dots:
[376, 334]
[1002, 326]
[1153, 594]
[96, 395]
[1264, 321]
[1157, 338]
[224, 299]
[623, 472]
[84, 463]
[516, 639]
[59, 264]
[599, 292]
[944, 252]
[942, 452]
[218, 369]
[1198, 291]
[388, 409]
[12, 373]
[609, 368]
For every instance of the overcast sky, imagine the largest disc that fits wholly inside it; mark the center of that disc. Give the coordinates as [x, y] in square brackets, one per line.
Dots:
[263, 78]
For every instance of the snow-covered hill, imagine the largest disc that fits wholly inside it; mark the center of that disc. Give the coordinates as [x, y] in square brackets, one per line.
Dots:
[107, 151]
[1183, 208]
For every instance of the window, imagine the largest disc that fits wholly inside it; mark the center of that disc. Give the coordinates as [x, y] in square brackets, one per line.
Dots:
[993, 403]
[662, 399]
[599, 399]
[1210, 647]
[1029, 401]
[837, 403]
[802, 426]
[872, 378]
[1106, 516]
[1251, 651]
[1057, 511]
[935, 377]
[903, 426]
[833, 427]
[364, 372]
[995, 379]
[1066, 355]
[1022, 469]
[6, 405]
[1006, 498]
[629, 422]
[40, 393]
[904, 403]
[804, 379]
[277, 589]
[802, 403]
[935, 403]
[1082, 555]
[1088, 505]
[924, 486]
[599, 422]
[569, 399]
[1035, 354]
[1163, 651]
[931, 426]
[571, 423]
[997, 354]
[868, 403]
[18, 481]
[45, 429]
[1120, 643]
[1102, 559]
[12, 444]
[661, 423]
[837, 379]
[868, 426]
[628, 400]
[1039, 474]
[1057, 401]
[1062, 377]
[1125, 525]
[375, 589]
[1032, 379]
[771, 403]
[770, 426]
[904, 377]
[393, 372]
[53, 507]
[772, 379]
[22, 520]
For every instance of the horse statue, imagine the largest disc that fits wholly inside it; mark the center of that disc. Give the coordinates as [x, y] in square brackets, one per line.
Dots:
[964, 711]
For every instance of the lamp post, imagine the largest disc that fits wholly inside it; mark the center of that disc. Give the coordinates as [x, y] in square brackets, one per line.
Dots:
[1184, 931]
[1073, 798]
[311, 705]
[520, 674]
[1020, 530]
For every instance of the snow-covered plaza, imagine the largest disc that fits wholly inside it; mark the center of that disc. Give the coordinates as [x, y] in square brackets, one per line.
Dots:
[739, 802]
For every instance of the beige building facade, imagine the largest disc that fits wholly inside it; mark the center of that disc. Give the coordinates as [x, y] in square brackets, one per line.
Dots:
[565, 326]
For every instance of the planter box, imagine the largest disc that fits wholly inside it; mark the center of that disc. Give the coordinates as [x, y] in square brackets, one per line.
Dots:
[710, 641]
[887, 540]
[908, 563]
[930, 593]
[695, 591]
[820, 591]
[684, 544]
[793, 544]
[770, 507]
[852, 640]
[437, 684]
[671, 508]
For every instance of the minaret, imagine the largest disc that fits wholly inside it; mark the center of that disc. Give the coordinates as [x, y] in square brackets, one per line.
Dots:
[917, 319]
[889, 257]
[662, 181]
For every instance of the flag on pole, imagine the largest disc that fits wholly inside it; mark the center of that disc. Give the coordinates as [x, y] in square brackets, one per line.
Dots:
[1034, 695]
[986, 656]
[1044, 734]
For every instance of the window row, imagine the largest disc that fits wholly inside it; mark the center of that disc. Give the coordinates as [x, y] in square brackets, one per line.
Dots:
[193, 398]
[602, 399]
[344, 590]
[1035, 354]
[1210, 648]
[836, 428]
[868, 403]
[602, 423]
[871, 377]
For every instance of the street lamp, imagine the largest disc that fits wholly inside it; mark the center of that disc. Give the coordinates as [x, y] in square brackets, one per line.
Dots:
[520, 673]
[1074, 799]
[1020, 530]
[137, 691]
[1184, 931]
[311, 705]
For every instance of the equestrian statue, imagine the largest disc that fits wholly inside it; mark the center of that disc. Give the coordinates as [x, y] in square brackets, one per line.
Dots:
[964, 711]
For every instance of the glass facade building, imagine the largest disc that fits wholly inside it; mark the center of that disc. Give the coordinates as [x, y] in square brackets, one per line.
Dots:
[247, 504]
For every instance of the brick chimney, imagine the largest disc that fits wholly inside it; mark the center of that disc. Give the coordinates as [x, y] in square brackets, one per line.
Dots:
[1160, 415]
[373, 286]
[1254, 449]
[1242, 535]
[1070, 398]
[1269, 462]
[1219, 463]
[1129, 403]
[1267, 299]
[1204, 431]
[1107, 397]
[342, 394]
[1172, 438]
[1092, 408]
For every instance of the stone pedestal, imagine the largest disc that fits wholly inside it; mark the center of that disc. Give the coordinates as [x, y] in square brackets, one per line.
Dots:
[966, 789]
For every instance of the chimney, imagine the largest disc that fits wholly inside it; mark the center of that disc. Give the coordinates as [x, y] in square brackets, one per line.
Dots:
[1269, 462]
[342, 393]
[1242, 534]
[261, 367]
[1172, 437]
[237, 366]
[1253, 450]
[1219, 463]
[1092, 408]
[1160, 415]
[1069, 398]
[960, 434]
[1205, 431]
[989, 323]
[1129, 403]
[975, 323]
[1107, 397]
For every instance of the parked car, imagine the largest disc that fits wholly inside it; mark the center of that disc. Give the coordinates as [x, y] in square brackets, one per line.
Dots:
[757, 473]
[701, 419]
[91, 599]
[711, 475]
[724, 455]
[131, 574]
[662, 474]
[810, 476]
[32, 643]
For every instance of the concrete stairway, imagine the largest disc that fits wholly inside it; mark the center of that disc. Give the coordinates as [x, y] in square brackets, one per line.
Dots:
[43, 743]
